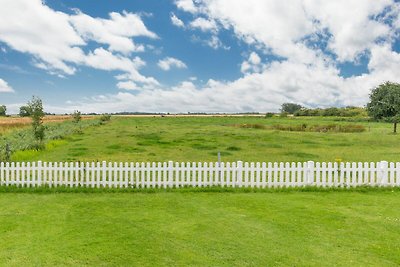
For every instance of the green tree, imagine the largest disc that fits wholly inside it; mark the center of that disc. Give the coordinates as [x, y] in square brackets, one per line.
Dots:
[24, 111]
[76, 116]
[3, 110]
[385, 103]
[290, 108]
[37, 114]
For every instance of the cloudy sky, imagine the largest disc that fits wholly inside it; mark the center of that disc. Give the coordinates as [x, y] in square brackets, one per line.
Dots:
[195, 55]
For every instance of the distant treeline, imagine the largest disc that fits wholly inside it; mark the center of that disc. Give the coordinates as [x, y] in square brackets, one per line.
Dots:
[298, 110]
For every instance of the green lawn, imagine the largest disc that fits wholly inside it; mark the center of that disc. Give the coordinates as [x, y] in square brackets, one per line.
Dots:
[201, 229]
[201, 138]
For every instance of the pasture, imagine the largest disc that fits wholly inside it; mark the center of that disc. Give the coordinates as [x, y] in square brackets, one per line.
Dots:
[199, 139]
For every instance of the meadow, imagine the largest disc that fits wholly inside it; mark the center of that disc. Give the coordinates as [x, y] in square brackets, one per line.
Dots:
[205, 226]
[200, 229]
[249, 138]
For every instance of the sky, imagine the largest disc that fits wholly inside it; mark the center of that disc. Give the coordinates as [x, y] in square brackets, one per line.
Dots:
[195, 55]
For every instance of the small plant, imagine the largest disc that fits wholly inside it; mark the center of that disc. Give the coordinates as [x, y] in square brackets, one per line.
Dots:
[76, 116]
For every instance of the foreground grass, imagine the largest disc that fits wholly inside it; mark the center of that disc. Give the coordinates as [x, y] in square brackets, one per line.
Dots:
[201, 138]
[201, 228]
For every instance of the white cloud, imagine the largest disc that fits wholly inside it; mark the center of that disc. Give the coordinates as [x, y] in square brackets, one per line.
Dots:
[127, 85]
[280, 82]
[204, 25]
[4, 87]
[116, 31]
[252, 64]
[186, 5]
[56, 39]
[351, 24]
[168, 62]
[176, 21]
[282, 28]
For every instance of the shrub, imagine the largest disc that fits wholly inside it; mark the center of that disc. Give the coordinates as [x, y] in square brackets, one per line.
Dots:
[105, 117]
[76, 116]
[269, 114]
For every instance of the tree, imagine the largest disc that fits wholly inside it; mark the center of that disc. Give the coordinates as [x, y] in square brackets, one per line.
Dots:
[76, 116]
[24, 111]
[37, 114]
[290, 108]
[3, 110]
[385, 103]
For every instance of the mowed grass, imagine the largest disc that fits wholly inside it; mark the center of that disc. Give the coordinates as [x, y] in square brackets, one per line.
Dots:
[200, 229]
[139, 139]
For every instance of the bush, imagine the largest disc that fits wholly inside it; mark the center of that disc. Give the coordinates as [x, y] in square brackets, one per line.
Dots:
[269, 114]
[105, 117]
[76, 116]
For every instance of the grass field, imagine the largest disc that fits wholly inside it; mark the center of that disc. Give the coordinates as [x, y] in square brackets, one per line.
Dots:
[180, 228]
[201, 229]
[201, 138]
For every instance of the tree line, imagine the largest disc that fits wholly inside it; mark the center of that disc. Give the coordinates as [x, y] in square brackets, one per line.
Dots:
[383, 105]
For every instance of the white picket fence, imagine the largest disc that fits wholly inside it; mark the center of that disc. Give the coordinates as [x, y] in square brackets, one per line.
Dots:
[174, 174]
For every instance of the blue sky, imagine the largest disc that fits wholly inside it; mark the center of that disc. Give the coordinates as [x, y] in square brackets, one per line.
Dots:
[195, 56]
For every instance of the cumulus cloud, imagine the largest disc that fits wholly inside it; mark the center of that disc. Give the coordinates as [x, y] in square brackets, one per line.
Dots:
[204, 25]
[127, 85]
[56, 39]
[186, 5]
[252, 64]
[4, 87]
[177, 21]
[169, 62]
[284, 29]
[115, 32]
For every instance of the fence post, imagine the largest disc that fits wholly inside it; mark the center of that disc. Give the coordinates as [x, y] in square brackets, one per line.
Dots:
[310, 173]
[170, 173]
[384, 173]
[39, 173]
[239, 173]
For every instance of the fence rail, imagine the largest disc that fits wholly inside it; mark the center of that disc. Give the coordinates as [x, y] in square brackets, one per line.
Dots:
[174, 174]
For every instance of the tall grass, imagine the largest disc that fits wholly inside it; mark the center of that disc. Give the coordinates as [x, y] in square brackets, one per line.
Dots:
[336, 128]
[23, 139]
